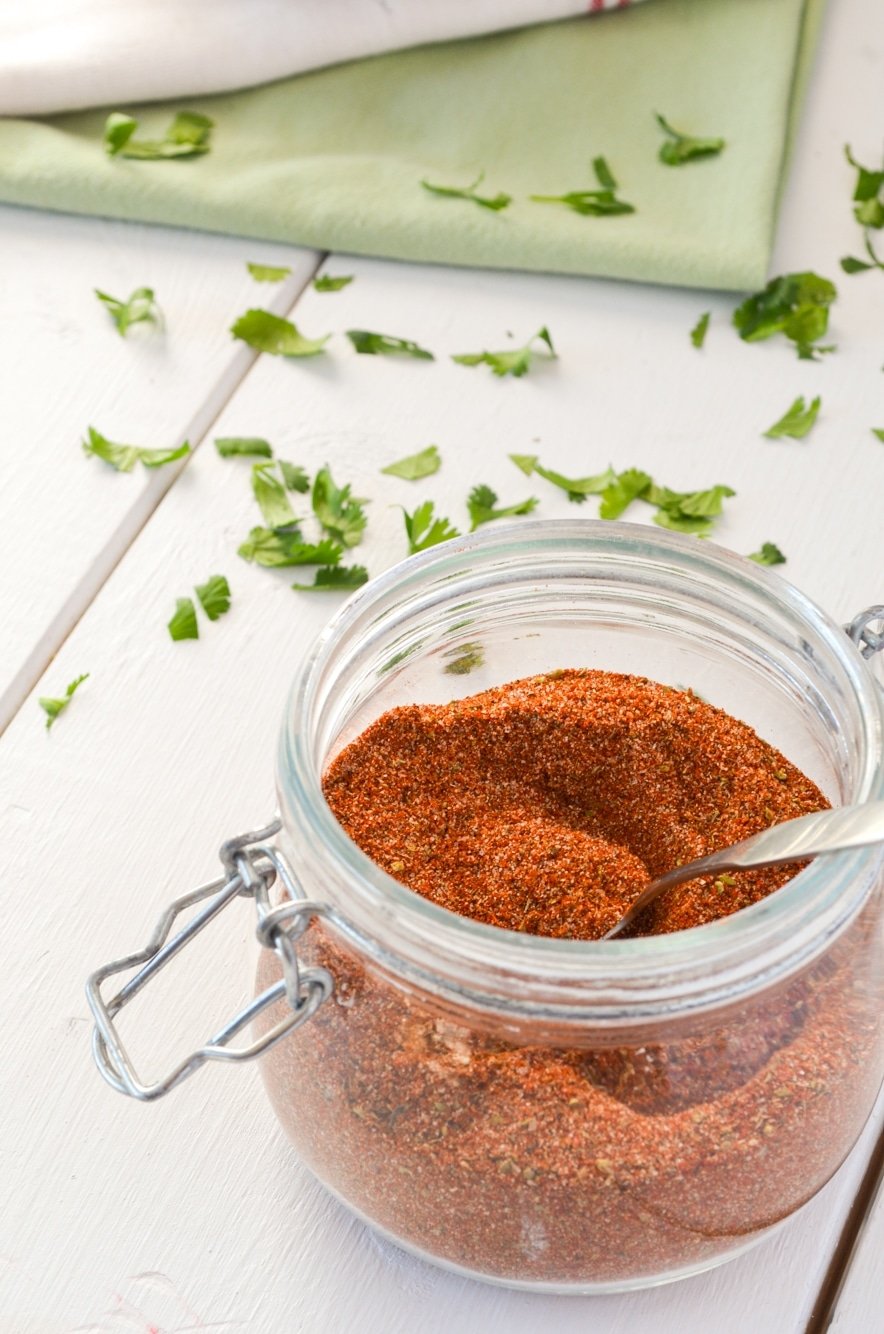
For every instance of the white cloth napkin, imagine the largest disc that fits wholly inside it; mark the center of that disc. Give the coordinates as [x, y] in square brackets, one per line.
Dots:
[60, 55]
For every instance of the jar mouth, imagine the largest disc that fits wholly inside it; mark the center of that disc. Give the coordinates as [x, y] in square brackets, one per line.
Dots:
[616, 980]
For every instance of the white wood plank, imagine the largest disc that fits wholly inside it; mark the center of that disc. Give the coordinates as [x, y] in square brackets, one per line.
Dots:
[66, 519]
[858, 1308]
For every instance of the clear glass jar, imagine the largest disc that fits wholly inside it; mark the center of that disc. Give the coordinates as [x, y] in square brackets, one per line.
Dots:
[570, 1115]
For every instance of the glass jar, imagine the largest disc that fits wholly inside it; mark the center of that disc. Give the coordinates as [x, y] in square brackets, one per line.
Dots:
[548, 1113]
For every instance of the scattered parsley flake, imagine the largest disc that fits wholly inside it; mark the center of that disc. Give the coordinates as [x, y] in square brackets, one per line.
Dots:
[601, 203]
[769, 554]
[326, 283]
[124, 457]
[619, 494]
[688, 511]
[183, 623]
[337, 577]
[294, 477]
[187, 136]
[576, 488]
[271, 333]
[340, 513]
[678, 148]
[424, 529]
[268, 273]
[482, 506]
[248, 447]
[274, 550]
[878, 432]
[464, 659]
[416, 466]
[139, 308]
[796, 305]
[698, 333]
[515, 362]
[493, 202]
[53, 706]
[272, 497]
[852, 265]
[375, 344]
[796, 421]
[869, 210]
[214, 596]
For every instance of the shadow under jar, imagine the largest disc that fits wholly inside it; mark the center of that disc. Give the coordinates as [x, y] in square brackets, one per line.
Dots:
[581, 1115]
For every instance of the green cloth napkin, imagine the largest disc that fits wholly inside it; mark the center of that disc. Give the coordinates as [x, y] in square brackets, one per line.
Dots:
[333, 159]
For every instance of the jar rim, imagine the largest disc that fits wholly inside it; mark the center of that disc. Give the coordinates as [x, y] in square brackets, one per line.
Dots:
[448, 953]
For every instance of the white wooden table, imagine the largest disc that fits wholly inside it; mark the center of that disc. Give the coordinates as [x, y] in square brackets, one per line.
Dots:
[194, 1213]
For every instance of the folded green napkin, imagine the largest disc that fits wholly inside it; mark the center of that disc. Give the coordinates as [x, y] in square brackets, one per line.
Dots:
[333, 159]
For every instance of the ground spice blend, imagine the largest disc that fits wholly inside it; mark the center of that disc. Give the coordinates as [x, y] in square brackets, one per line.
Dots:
[544, 806]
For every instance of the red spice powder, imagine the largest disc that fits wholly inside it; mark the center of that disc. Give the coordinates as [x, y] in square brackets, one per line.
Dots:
[544, 806]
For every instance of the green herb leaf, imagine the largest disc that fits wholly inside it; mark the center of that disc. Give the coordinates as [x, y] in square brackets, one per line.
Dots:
[688, 511]
[339, 512]
[272, 498]
[868, 182]
[124, 457]
[796, 304]
[424, 529]
[294, 477]
[274, 550]
[248, 447]
[326, 283]
[601, 203]
[576, 488]
[698, 333]
[415, 466]
[515, 362]
[187, 136]
[375, 344]
[619, 494]
[769, 554]
[796, 421]
[53, 706]
[851, 265]
[482, 506]
[493, 202]
[679, 148]
[878, 432]
[270, 333]
[214, 596]
[338, 577]
[183, 624]
[268, 273]
[464, 659]
[139, 308]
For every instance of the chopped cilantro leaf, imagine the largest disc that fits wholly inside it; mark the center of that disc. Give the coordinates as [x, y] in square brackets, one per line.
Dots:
[139, 308]
[271, 496]
[851, 265]
[294, 477]
[271, 333]
[214, 596]
[796, 421]
[619, 494]
[482, 506]
[53, 706]
[869, 183]
[187, 136]
[268, 273]
[249, 447]
[796, 305]
[515, 362]
[337, 577]
[493, 202]
[688, 511]
[769, 554]
[424, 529]
[124, 457]
[183, 623]
[274, 550]
[698, 333]
[464, 659]
[415, 466]
[375, 344]
[601, 203]
[576, 488]
[326, 283]
[340, 513]
[678, 148]
[878, 432]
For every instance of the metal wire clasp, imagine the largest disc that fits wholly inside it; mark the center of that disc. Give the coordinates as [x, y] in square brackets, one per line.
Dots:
[250, 868]
[868, 640]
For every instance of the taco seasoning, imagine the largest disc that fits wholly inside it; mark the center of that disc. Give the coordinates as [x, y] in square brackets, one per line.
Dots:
[544, 806]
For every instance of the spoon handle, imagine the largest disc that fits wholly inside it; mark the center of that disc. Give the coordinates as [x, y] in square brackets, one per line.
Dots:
[809, 836]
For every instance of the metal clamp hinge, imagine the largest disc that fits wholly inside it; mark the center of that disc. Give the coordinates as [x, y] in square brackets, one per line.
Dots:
[868, 640]
[250, 868]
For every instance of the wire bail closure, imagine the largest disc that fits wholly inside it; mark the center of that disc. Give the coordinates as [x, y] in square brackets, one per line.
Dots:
[251, 866]
[869, 641]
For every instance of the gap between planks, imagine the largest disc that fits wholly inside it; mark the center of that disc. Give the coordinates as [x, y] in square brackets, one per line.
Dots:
[826, 1306]
[124, 535]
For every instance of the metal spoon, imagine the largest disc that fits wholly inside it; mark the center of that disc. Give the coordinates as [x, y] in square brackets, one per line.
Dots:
[792, 841]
